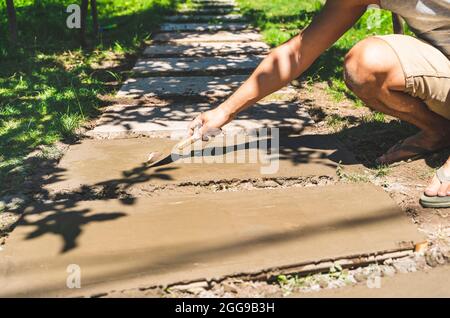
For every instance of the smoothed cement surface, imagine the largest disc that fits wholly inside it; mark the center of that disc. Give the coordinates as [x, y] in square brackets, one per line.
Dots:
[434, 283]
[120, 163]
[221, 36]
[202, 27]
[206, 49]
[121, 120]
[188, 65]
[130, 243]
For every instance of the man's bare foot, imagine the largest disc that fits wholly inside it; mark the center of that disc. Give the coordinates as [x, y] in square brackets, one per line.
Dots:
[438, 188]
[414, 147]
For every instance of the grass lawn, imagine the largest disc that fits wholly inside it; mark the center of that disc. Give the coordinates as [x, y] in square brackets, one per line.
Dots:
[280, 20]
[49, 86]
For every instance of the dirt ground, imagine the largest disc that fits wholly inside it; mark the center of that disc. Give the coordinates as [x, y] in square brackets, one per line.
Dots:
[367, 139]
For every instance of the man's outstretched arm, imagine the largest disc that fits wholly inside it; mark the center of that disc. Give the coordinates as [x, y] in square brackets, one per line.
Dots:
[287, 61]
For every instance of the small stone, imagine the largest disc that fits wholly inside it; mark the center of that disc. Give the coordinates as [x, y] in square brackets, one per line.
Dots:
[389, 261]
[196, 290]
[14, 202]
[271, 183]
[420, 260]
[360, 276]
[323, 283]
[189, 287]
[405, 265]
[388, 271]
[230, 288]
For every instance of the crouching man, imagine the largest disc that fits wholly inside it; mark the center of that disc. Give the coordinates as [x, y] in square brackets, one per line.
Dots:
[399, 75]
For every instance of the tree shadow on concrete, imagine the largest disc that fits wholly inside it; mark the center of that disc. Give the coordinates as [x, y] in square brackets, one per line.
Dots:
[58, 213]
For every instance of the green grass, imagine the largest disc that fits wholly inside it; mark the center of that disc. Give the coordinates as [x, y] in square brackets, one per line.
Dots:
[49, 86]
[280, 20]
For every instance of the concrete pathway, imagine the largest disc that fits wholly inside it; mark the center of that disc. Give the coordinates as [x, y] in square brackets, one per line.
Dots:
[244, 203]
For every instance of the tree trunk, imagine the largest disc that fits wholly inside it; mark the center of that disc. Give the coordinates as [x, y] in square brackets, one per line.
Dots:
[12, 21]
[84, 11]
[94, 17]
[398, 24]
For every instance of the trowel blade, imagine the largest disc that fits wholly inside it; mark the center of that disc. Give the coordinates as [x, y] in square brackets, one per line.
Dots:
[161, 157]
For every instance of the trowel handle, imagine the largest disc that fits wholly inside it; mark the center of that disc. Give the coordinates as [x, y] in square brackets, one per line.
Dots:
[187, 142]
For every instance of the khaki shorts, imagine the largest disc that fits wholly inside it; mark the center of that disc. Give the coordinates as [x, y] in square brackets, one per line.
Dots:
[427, 71]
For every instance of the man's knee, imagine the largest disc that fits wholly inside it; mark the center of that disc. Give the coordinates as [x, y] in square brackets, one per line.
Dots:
[366, 67]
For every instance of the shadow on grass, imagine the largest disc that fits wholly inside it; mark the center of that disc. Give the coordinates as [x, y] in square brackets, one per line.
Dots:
[50, 87]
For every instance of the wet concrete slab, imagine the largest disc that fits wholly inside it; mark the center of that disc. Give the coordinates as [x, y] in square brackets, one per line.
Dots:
[121, 121]
[203, 27]
[120, 164]
[185, 86]
[197, 65]
[206, 18]
[206, 49]
[120, 244]
[220, 36]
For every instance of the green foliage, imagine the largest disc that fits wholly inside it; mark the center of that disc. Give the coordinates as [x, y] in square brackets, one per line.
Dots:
[48, 85]
[280, 20]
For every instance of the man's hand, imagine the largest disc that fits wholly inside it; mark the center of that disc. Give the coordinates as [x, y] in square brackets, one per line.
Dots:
[286, 62]
[210, 122]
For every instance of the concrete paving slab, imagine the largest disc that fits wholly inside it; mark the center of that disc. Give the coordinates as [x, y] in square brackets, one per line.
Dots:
[213, 2]
[229, 2]
[203, 27]
[215, 6]
[221, 36]
[181, 86]
[119, 164]
[206, 49]
[186, 86]
[121, 121]
[120, 244]
[206, 18]
[209, 11]
[242, 64]
[434, 283]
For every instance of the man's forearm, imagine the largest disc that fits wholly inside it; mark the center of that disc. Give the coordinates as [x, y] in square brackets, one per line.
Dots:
[291, 59]
[279, 68]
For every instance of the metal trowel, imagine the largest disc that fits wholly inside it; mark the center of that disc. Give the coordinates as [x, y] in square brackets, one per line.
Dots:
[164, 156]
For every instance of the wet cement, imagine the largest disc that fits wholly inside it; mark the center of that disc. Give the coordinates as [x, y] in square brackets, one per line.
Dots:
[143, 242]
[121, 162]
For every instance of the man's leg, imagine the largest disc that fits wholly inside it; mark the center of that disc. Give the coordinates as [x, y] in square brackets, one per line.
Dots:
[374, 73]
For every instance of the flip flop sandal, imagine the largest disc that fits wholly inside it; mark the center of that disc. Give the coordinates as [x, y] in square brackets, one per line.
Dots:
[418, 153]
[437, 201]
